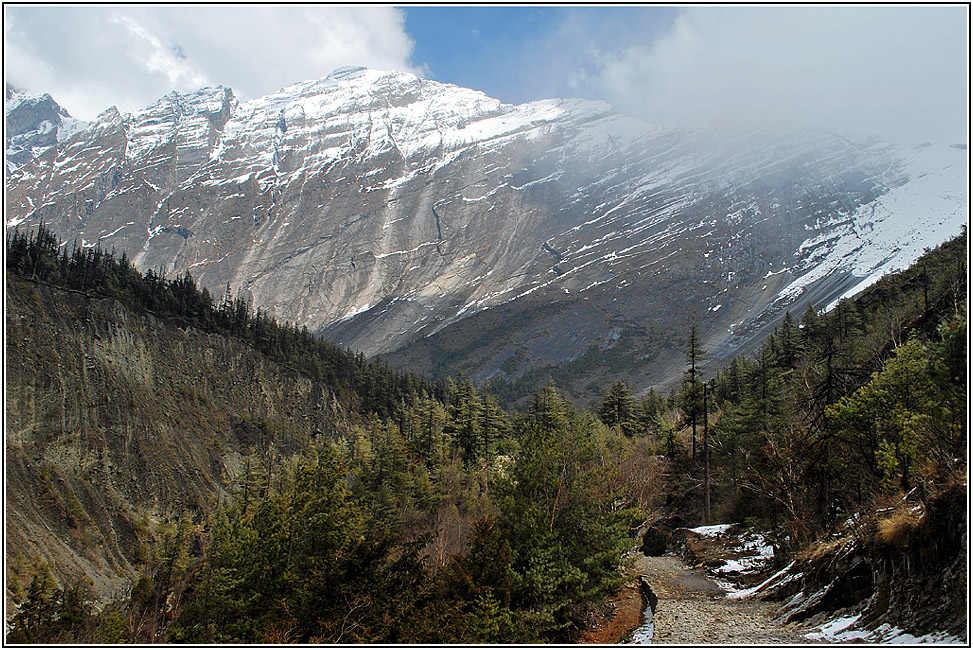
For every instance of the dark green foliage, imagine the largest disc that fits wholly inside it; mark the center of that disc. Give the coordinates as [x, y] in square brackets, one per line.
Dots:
[483, 582]
[911, 412]
[850, 403]
[465, 424]
[49, 615]
[618, 409]
[691, 393]
[311, 562]
[494, 426]
[37, 617]
[651, 407]
[558, 516]
[305, 563]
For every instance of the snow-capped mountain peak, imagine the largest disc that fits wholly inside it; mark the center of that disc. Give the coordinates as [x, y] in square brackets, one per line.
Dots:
[382, 209]
[34, 123]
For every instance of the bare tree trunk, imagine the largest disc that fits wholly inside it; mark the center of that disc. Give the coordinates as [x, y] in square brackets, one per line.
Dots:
[694, 439]
[707, 516]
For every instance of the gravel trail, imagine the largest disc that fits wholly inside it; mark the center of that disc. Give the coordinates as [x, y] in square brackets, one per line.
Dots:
[691, 610]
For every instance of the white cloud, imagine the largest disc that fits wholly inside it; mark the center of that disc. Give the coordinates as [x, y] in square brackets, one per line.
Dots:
[154, 57]
[899, 72]
[91, 57]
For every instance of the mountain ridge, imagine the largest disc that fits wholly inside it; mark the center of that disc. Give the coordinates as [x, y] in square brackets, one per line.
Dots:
[381, 209]
[34, 123]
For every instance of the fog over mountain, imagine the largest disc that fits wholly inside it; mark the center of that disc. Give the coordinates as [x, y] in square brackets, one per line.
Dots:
[898, 73]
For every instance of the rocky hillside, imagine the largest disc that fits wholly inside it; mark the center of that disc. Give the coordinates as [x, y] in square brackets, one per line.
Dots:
[407, 217]
[906, 568]
[116, 422]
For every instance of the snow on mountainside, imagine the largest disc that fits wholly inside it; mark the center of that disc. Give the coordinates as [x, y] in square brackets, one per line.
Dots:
[34, 123]
[405, 216]
[891, 232]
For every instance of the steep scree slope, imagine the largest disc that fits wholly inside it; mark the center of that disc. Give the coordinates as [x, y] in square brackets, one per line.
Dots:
[115, 422]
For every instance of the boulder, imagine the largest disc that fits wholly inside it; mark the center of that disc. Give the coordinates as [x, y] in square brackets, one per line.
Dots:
[655, 541]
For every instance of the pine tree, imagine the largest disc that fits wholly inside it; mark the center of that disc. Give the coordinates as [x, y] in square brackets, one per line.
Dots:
[465, 418]
[36, 617]
[493, 426]
[557, 513]
[790, 342]
[617, 409]
[691, 394]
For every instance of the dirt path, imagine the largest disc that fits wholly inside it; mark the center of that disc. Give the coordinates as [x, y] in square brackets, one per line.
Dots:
[691, 609]
[622, 615]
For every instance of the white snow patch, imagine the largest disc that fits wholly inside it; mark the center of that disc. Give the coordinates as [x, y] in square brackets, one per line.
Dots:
[838, 630]
[737, 594]
[355, 311]
[711, 531]
[843, 630]
[112, 232]
[891, 232]
[379, 256]
[643, 634]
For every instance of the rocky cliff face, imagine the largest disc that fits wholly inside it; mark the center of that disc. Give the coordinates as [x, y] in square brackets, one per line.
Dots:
[33, 123]
[909, 574]
[116, 422]
[401, 215]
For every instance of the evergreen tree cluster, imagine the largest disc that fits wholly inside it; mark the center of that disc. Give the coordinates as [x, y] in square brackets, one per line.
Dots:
[362, 384]
[867, 399]
[620, 410]
[832, 414]
[436, 518]
[50, 614]
[338, 544]
[332, 553]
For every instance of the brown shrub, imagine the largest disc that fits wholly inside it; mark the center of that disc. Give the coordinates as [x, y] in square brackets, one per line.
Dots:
[898, 529]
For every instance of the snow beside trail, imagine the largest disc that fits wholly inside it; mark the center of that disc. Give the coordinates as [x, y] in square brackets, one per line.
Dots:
[643, 634]
[690, 612]
[842, 630]
[755, 555]
[737, 594]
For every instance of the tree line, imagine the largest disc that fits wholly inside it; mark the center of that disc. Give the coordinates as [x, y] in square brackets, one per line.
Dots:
[843, 409]
[362, 384]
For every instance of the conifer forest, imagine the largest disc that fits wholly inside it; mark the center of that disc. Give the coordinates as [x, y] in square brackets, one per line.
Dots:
[425, 511]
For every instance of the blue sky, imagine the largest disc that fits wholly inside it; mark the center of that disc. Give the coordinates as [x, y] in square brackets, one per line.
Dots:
[900, 72]
[518, 54]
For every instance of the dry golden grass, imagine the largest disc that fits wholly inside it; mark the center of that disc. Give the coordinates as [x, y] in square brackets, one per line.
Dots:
[822, 548]
[898, 529]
